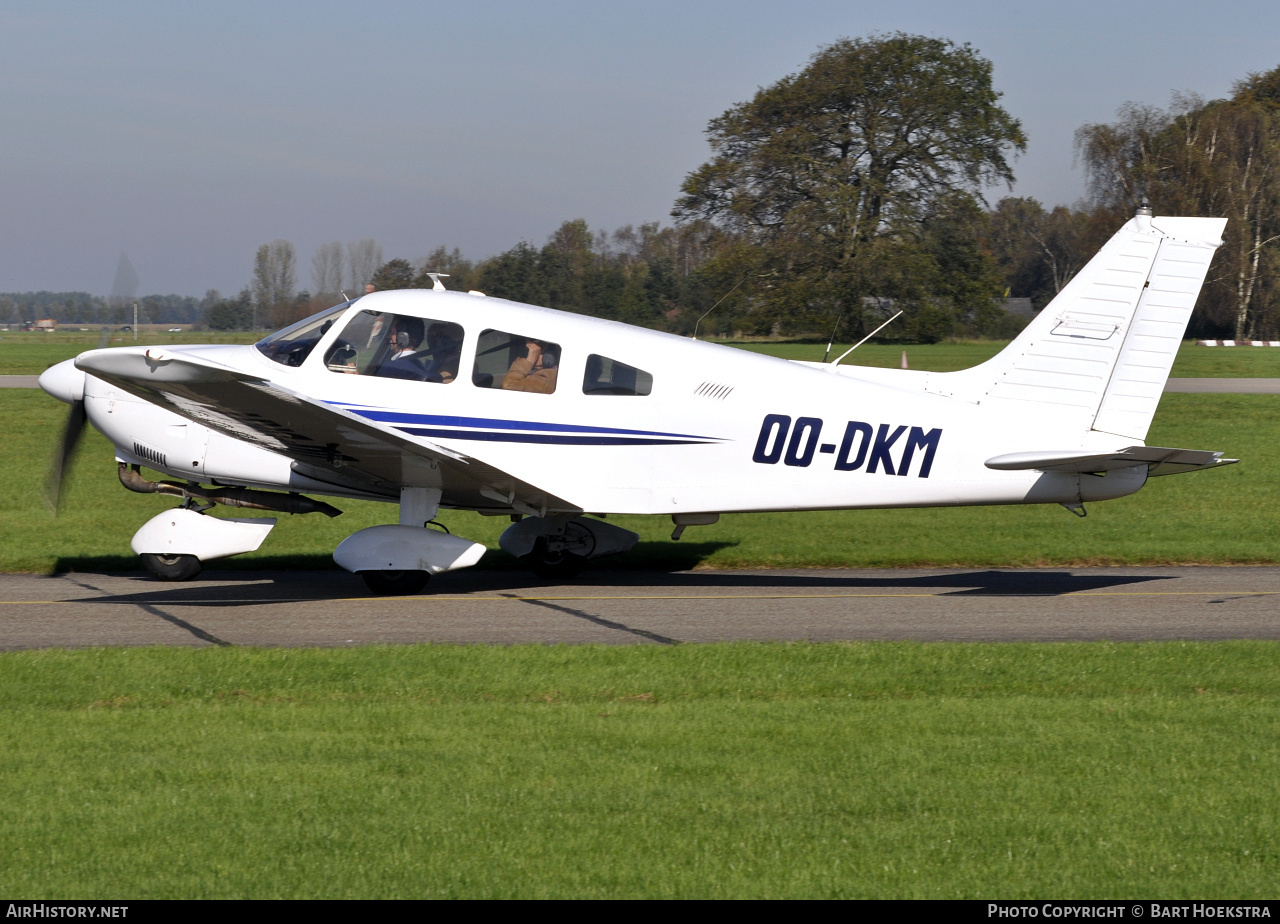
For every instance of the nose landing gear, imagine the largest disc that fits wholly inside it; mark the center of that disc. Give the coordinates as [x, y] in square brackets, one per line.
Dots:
[171, 567]
[395, 583]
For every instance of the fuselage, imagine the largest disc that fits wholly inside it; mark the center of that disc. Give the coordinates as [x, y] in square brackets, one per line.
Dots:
[693, 426]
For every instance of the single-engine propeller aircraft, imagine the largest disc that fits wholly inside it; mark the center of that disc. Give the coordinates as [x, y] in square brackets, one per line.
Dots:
[433, 398]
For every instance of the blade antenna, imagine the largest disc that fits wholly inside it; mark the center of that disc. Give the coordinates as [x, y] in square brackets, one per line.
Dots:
[831, 342]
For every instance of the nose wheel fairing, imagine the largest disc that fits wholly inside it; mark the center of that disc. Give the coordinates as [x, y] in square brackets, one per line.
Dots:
[182, 531]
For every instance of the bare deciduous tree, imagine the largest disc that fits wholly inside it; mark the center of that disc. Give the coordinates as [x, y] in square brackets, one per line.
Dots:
[363, 259]
[275, 278]
[1218, 158]
[326, 268]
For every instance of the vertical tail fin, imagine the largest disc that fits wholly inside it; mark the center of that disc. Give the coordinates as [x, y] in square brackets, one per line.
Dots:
[1098, 356]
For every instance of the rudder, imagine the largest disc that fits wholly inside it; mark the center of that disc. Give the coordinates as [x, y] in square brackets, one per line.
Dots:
[1098, 355]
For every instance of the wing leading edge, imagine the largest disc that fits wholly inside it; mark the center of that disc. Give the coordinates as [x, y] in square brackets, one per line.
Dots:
[326, 442]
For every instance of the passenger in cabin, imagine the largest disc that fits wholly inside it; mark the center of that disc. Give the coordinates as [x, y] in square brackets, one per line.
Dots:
[446, 352]
[406, 337]
[535, 371]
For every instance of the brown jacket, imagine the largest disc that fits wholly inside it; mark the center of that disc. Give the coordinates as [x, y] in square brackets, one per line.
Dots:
[521, 377]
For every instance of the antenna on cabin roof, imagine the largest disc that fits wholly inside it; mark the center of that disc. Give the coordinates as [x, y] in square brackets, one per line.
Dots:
[723, 297]
[436, 284]
[831, 342]
[835, 362]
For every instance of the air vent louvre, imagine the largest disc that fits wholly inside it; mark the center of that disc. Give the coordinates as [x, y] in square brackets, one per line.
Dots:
[149, 454]
[713, 390]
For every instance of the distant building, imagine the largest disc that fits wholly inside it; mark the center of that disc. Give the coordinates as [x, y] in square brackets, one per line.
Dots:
[1018, 307]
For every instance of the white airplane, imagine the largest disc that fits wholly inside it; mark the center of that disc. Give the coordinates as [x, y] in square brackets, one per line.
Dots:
[433, 398]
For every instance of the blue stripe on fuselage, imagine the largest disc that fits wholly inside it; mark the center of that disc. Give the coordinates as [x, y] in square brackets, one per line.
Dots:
[585, 439]
[439, 420]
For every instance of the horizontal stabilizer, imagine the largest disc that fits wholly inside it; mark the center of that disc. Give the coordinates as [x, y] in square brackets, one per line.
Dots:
[1159, 461]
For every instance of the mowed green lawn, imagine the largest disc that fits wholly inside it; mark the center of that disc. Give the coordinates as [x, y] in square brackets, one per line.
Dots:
[748, 770]
[1226, 516]
[30, 353]
[1192, 361]
[834, 770]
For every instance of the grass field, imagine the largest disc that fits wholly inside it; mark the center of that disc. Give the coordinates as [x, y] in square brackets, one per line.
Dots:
[1228, 516]
[30, 353]
[837, 770]
[1192, 361]
[748, 770]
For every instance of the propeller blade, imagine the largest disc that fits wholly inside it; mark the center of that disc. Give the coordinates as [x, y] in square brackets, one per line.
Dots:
[66, 449]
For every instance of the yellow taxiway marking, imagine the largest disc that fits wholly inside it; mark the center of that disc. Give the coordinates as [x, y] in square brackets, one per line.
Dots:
[942, 593]
[1171, 593]
[427, 598]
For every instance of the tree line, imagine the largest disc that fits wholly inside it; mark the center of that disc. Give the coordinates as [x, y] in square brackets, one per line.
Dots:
[856, 187]
[95, 310]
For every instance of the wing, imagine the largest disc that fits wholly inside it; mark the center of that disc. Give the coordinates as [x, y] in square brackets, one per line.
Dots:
[1158, 461]
[327, 443]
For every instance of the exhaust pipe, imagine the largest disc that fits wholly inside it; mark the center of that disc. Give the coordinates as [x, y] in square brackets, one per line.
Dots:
[131, 478]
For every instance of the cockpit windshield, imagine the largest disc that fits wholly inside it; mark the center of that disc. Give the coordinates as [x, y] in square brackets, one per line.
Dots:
[294, 344]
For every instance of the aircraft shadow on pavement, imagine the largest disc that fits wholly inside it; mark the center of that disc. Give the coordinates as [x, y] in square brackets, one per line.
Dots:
[988, 582]
[257, 588]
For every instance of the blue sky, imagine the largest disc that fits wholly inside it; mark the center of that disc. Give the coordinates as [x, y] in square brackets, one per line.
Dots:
[185, 135]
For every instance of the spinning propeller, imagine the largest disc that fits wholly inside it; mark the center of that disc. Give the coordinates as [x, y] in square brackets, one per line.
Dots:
[66, 449]
[66, 383]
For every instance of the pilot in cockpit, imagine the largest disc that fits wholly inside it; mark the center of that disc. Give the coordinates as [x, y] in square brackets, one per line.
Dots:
[406, 337]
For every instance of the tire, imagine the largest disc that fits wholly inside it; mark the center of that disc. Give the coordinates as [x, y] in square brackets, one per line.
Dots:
[553, 565]
[171, 567]
[395, 583]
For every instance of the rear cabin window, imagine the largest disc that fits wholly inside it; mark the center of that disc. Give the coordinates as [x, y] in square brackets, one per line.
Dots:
[515, 362]
[605, 376]
[397, 346]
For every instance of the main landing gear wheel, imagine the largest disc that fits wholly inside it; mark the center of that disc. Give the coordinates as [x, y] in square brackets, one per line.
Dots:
[171, 567]
[395, 583]
[560, 564]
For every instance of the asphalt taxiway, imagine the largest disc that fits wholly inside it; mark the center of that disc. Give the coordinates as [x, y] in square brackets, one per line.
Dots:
[332, 608]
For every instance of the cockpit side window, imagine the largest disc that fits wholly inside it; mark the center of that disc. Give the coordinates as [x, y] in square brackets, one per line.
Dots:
[605, 376]
[515, 362]
[292, 345]
[398, 346]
